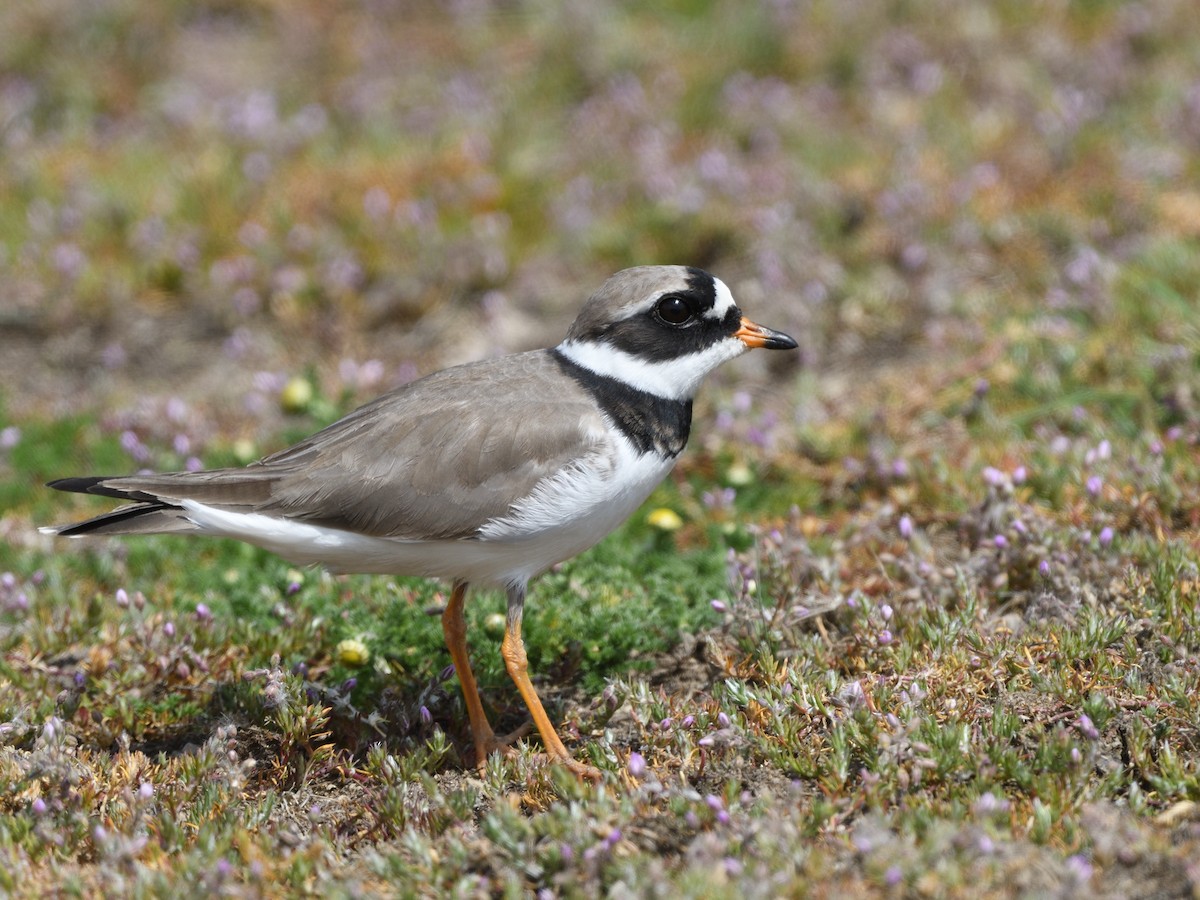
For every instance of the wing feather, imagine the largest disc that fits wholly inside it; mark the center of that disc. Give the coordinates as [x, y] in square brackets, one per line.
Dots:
[432, 459]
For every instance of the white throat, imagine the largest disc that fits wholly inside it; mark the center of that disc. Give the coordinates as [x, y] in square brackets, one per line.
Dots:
[671, 379]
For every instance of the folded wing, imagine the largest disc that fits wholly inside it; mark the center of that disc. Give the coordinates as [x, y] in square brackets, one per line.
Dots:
[432, 460]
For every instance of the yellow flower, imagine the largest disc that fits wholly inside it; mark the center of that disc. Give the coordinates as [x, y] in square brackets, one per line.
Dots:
[245, 451]
[296, 396]
[739, 475]
[494, 624]
[664, 519]
[353, 652]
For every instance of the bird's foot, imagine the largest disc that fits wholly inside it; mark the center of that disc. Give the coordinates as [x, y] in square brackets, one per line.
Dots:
[582, 771]
[493, 743]
[487, 744]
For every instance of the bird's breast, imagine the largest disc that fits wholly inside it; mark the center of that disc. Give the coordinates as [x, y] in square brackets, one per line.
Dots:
[584, 501]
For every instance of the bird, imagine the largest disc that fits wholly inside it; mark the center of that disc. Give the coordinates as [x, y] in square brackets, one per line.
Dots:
[486, 473]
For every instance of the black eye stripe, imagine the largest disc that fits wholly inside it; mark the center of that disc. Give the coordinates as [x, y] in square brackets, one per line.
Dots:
[651, 336]
[643, 331]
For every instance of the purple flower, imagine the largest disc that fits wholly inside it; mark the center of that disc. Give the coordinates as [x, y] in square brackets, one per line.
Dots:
[203, 613]
[637, 764]
[426, 716]
[906, 526]
[113, 356]
[718, 605]
[885, 637]
[988, 803]
[1000, 541]
[122, 598]
[1095, 484]
[169, 629]
[993, 476]
[1106, 536]
[1078, 866]
[133, 445]
[69, 260]
[1087, 728]
[723, 720]
[1019, 475]
[886, 611]
[722, 498]
[145, 790]
[1044, 568]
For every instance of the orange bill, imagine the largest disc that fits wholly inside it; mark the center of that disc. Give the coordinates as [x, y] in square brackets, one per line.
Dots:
[757, 336]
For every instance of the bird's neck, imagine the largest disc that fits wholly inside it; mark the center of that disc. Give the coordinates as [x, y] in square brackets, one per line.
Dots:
[650, 422]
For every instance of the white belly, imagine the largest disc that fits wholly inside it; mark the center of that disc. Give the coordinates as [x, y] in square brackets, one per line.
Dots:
[566, 514]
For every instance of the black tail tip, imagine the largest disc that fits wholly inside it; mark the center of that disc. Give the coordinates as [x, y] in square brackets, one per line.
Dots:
[78, 485]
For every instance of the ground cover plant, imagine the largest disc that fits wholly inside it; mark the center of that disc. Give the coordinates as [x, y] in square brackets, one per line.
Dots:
[916, 615]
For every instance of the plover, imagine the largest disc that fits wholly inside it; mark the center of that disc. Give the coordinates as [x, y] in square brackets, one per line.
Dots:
[484, 473]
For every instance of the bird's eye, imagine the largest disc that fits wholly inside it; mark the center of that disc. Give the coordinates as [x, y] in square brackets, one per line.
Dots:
[673, 310]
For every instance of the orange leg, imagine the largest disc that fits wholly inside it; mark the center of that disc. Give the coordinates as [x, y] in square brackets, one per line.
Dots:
[454, 627]
[513, 651]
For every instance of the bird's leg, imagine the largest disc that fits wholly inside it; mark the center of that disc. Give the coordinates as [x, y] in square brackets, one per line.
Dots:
[454, 627]
[513, 651]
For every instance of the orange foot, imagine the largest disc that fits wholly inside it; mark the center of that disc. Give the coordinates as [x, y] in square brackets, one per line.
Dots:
[491, 743]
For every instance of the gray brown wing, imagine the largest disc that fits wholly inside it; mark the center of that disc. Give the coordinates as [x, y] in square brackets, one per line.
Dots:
[433, 459]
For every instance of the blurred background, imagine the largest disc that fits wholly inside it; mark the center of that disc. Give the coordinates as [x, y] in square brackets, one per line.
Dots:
[200, 201]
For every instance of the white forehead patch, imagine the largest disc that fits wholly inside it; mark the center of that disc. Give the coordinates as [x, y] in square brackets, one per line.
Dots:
[723, 303]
